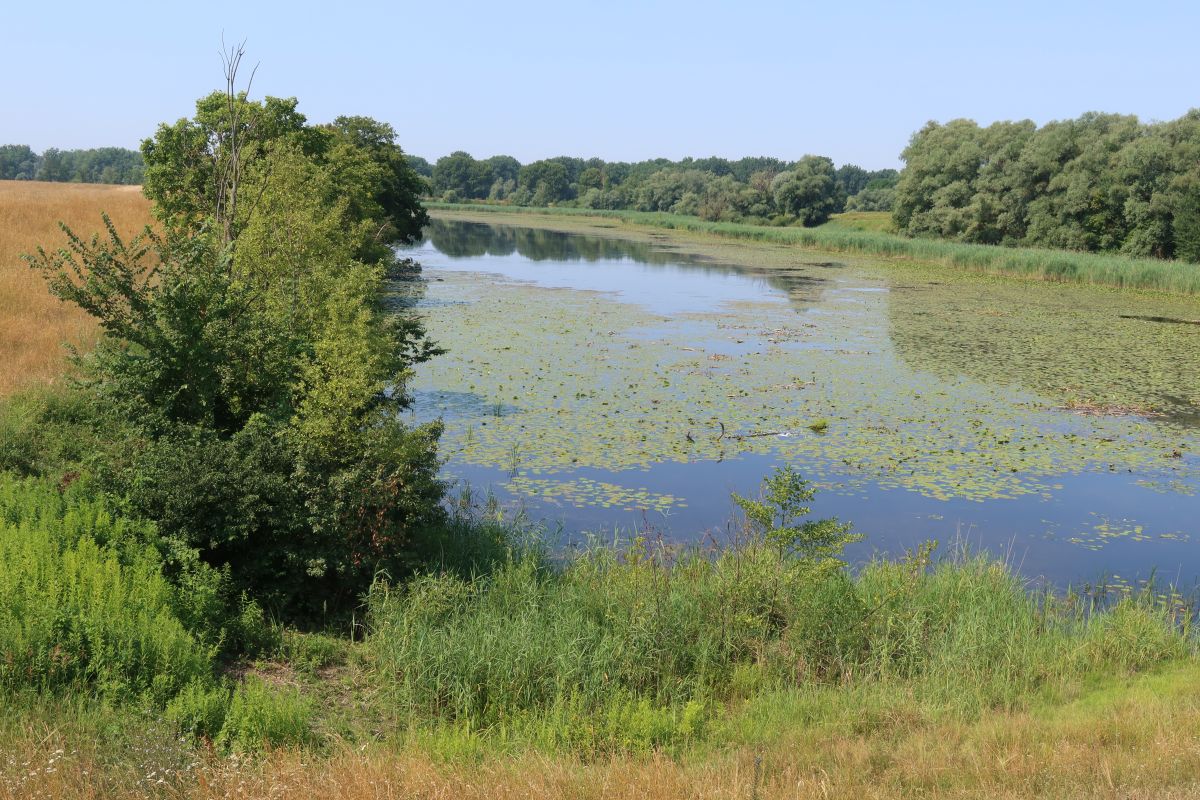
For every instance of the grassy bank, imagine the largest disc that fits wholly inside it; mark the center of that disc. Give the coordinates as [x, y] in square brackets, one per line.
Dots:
[1128, 738]
[755, 670]
[857, 238]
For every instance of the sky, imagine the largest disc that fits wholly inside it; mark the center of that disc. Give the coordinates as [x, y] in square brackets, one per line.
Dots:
[618, 80]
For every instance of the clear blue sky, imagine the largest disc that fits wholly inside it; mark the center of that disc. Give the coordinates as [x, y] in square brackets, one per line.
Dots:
[619, 80]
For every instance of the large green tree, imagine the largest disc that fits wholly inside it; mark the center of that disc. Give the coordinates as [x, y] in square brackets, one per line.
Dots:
[250, 359]
[809, 191]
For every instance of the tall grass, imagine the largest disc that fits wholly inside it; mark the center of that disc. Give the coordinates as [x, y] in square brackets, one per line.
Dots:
[1043, 264]
[642, 649]
[34, 325]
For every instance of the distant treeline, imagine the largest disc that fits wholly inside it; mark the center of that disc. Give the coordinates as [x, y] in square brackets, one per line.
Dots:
[1102, 182]
[18, 162]
[756, 190]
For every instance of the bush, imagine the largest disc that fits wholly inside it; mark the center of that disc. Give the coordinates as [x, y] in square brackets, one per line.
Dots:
[200, 709]
[84, 604]
[261, 715]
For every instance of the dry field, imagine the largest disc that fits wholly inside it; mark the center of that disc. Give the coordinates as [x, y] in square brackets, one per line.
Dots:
[34, 325]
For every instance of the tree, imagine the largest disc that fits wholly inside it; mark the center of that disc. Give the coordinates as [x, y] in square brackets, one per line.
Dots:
[17, 162]
[808, 192]
[777, 519]
[463, 175]
[852, 179]
[397, 189]
[420, 165]
[548, 181]
[251, 360]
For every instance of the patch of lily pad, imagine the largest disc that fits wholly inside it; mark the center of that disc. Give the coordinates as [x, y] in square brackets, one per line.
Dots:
[588, 492]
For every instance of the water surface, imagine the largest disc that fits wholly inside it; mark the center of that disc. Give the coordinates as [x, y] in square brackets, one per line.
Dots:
[603, 385]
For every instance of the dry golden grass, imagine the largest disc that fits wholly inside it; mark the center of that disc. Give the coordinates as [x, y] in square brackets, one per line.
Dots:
[1136, 740]
[34, 325]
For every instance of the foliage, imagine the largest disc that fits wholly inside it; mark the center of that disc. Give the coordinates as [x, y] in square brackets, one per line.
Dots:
[84, 604]
[396, 187]
[462, 174]
[252, 370]
[98, 165]
[777, 520]
[1102, 182]
[262, 715]
[641, 647]
[711, 188]
[249, 717]
[809, 192]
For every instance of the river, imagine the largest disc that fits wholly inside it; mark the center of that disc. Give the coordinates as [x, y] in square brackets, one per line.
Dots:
[609, 388]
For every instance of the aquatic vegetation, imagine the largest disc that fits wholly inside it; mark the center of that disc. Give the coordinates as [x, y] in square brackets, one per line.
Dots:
[593, 382]
[584, 491]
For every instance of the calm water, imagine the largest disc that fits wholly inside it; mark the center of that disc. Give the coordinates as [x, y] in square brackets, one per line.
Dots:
[607, 386]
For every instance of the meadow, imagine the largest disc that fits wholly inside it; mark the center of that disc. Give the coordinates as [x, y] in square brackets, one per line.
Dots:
[33, 325]
[865, 233]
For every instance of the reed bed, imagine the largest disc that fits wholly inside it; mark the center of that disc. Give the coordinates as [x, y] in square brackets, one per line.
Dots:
[1065, 266]
[33, 325]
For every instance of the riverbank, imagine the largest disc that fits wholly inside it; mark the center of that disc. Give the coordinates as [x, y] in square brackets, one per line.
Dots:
[617, 676]
[1029, 263]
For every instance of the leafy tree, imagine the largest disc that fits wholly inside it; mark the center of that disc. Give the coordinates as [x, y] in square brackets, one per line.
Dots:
[396, 188]
[1099, 182]
[504, 168]
[17, 162]
[462, 174]
[852, 179]
[419, 165]
[1186, 220]
[777, 519]
[250, 358]
[808, 192]
[548, 181]
[193, 167]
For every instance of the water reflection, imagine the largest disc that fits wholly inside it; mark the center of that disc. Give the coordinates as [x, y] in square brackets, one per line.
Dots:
[667, 281]
[473, 239]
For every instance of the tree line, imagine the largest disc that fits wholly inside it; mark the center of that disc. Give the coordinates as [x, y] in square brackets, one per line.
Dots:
[18, 162]
[757, 189]
[1102, 182]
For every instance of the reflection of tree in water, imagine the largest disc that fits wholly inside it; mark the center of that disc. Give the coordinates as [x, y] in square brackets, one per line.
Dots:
[468, 239]
[1067, 344]
[474, 239]
[406, 288]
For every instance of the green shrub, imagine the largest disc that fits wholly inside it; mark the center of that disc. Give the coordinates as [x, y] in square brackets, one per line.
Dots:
[84, 604]
[261, 715]
[200, 709]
